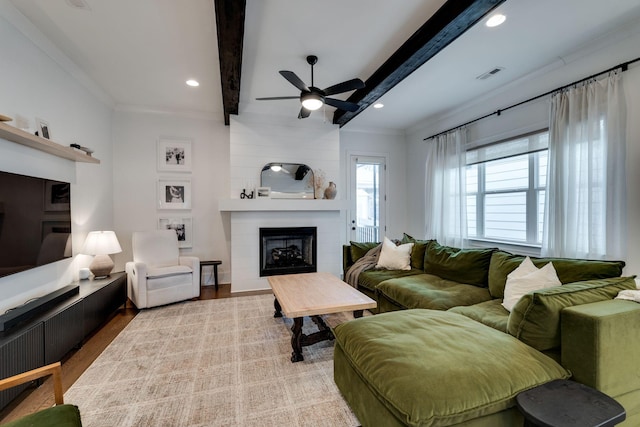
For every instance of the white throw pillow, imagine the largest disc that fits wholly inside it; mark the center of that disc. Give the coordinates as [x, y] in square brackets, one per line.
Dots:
[526, 278]
[394, 257]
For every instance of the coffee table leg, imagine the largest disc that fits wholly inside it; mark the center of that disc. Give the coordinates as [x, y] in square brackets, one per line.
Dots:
[358, 313]
[276, 305]
[296, 340]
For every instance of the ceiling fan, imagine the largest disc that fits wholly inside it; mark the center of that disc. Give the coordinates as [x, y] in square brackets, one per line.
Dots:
[312, 97]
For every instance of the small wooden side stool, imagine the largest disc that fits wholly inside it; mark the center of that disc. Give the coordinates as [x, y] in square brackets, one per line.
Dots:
[566, 403]
[215, 265]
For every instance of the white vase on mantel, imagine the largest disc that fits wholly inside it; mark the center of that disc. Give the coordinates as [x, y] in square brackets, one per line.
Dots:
[331, 191]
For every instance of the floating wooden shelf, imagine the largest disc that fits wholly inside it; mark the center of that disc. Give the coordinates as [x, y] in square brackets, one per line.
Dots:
[21, 137]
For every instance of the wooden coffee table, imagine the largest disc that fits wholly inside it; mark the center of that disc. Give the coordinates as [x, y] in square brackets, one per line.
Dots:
[314, 294]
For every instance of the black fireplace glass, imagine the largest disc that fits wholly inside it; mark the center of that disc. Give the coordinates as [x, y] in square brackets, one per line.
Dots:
[288, 250]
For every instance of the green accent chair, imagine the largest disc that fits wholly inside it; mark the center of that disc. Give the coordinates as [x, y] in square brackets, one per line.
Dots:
[60, 415]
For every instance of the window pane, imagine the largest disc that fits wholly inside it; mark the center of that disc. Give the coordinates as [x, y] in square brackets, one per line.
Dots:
[543, 160]
[541, 195]
[472, 223]
[507, 174]
[472, 179]
[505, 216]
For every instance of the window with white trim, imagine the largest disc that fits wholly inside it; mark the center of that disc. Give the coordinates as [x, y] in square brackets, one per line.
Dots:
[506, 189]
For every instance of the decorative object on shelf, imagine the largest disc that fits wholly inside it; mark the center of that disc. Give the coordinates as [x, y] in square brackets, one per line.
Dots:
[22, 122]
[263, 192]
[331, 191]
[44, 130]
[174, 154]
[182, 226]
[86, 150]
[84, 273]
[101, 244]
[245, 195]
[318, 183]
[5, 118]
[174, 193]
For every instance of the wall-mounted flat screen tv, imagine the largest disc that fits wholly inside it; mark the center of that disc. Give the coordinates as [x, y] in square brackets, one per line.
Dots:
[35, 222]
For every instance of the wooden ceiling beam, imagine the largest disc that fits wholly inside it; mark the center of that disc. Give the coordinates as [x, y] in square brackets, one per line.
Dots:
[448, 23]
[230, 16]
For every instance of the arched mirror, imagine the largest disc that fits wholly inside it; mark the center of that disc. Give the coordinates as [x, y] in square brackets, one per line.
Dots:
[288, 180]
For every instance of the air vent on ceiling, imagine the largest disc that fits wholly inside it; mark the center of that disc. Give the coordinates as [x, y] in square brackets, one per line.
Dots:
[78, 4]
[490, 73]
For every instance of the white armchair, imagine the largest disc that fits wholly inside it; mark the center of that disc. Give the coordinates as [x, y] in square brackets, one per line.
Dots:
[158, 274]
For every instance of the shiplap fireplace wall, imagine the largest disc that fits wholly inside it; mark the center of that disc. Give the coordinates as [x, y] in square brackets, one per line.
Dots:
[255, 141]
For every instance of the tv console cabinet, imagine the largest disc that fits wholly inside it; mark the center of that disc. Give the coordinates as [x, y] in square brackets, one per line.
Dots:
[49, 335]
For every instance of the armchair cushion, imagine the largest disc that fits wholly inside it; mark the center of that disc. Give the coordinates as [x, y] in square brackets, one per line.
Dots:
[156, 248]
[174, 270]
[57, 416]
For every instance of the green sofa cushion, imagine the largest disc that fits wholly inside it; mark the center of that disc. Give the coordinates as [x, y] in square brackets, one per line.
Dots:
[490, 313]
[535, 319]
[432, 292]
[56, 416]
[418, 250]
[469, 266]
[434, 368]
[360, 249]
[370, 279]
[568, 270]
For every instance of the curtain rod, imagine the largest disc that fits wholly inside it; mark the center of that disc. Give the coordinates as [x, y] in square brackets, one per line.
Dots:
[624, 67]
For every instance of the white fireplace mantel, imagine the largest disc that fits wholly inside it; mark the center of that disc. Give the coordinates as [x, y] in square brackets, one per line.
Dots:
[247, 217]
[275, 205]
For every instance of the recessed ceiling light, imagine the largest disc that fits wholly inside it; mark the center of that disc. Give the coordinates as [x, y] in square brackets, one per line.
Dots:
[378, 105]
[496, 20]
[193, 83]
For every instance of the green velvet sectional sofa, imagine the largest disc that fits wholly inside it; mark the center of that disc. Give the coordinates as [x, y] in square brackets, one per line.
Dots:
[443, 351]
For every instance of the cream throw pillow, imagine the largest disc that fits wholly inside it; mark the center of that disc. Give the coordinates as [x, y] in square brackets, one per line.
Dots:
[526, 278]
[394, 257]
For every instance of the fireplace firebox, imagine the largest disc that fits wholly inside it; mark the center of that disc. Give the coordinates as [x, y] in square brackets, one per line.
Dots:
[288, 250]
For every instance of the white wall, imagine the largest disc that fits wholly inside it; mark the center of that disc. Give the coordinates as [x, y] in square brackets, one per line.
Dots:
[621, 47]
[260, 139]
[391, 145]
[256, 140]
[32, 85]
[135, 139]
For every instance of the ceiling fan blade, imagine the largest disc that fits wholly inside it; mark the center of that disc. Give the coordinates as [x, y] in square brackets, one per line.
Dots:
[343, 105]
[273, 98]
[294, 80]
[304, 113]
[344, 87]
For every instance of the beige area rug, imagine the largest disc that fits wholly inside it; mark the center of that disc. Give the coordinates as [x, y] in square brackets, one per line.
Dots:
[218, 362]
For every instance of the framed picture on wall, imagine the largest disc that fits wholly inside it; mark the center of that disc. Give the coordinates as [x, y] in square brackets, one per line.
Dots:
[181, 225]
[44, 130]
[174, 193]
[174, 154]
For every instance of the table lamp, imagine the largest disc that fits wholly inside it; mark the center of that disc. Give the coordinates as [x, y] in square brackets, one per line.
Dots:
[101, 244]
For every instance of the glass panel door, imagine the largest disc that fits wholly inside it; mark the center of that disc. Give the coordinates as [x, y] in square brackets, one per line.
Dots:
[367, 199]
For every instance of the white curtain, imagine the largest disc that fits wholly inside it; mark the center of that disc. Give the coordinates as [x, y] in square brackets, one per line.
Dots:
[585, 206]
[446, 219]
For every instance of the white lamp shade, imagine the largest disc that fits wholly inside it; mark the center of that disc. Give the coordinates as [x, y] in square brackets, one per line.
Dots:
[101, 243]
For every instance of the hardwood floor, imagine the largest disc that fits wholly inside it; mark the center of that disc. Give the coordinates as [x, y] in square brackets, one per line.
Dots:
[78, 361]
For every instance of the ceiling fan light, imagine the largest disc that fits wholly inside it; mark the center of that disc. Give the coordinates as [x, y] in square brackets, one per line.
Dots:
[312, 101]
